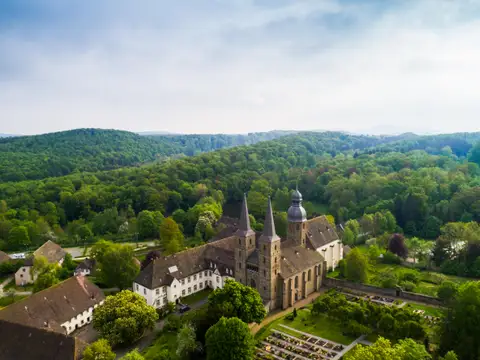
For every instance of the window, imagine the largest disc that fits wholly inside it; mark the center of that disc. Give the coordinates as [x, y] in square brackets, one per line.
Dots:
[164, 289]
[189, 290]
[200, 275]
[158, 302]
[264, 247]
[309, 274]
[137, 287]
[183, 281]
[201, 285]
[194, 287]
[275, 260]
[89, 319]
[239, 241]
[239, 265]
[21, 275]
[218, 279]
[250, 241]
[296, 282]
[183, 292]
[145, 291]
[264, 288]
[265, 273]
[275, 247]
[24, 269]
[189, 279]
[210, 273]
[83, 321]
[157, 291]
[264, 260]
[206, 283]
[210, 282]
[275, 271]
[298, 226]
[205, 273]
[194, 277]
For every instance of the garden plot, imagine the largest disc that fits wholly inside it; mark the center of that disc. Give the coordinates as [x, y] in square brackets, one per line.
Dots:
[284, 346]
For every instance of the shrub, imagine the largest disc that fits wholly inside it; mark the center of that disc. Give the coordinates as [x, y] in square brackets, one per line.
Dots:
[353, 328]
[433, 278]
[391, 258]
[454, 267]
[388, 280]
[172, 323]
[407, 285]
[290, 317]
[410, 276]
[341, 268]
[447, 291]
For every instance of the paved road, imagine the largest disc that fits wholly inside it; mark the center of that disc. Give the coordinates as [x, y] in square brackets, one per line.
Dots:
[145, 341]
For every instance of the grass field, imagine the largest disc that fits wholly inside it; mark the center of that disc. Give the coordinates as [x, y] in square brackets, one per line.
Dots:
[194, 298]
[318, 325]
[7, 300]
[164, 341]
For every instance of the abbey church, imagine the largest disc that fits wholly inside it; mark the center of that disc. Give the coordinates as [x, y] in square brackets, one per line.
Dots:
[283, 271]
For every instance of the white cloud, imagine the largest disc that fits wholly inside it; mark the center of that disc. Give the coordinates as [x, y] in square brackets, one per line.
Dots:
[240, 67]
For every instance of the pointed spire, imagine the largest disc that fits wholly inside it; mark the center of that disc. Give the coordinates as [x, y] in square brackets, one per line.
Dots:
[269, 233]
[244, 228]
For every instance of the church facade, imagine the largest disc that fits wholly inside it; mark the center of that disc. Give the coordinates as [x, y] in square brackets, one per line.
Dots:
[283, 271]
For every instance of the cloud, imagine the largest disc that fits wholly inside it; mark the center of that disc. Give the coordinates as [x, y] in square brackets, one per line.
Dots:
[239, 66]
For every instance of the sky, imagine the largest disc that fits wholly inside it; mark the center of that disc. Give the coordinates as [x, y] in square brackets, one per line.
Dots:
[237, 66]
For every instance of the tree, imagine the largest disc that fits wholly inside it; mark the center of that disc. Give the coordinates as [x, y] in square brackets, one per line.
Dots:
[356, 266]
[236, 300]
[133, 355]
[348, 237]
[460, 331]
[170, 236]
[449, 356]
[116, 265]
[406, 349]
[230, 339]
[99, 350]
[474, 155]
[187, 343]
[432, 227]
[124, 318]
[45, 280]
[413, 245]
[396, 245]
[18, 238]
[281, 223]
[146, 225]
[447, 291]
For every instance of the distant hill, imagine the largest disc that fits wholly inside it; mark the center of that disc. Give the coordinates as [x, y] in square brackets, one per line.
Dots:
[61, 153]
[7, 135]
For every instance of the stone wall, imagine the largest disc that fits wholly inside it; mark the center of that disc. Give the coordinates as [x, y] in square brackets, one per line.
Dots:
[344, 284]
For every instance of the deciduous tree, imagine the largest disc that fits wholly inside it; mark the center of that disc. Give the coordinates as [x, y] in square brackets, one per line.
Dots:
[230, 339]
[356, 266]
[124, 317]
[99, 350]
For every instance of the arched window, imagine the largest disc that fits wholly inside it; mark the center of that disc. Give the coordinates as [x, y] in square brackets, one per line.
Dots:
[296, 282]
[309, 274]
[253, 284]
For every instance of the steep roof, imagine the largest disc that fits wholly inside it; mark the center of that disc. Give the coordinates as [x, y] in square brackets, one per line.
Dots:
[244, 228]
[296, 258]
[51, 307]
[320, 232]
[269, 234]
[87, 264]
[162, 271]
[4, 257]
[53, 252]
[25, 342]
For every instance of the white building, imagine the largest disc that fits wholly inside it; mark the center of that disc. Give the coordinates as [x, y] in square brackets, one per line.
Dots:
[171, 278]
[51, 251]
[62, 308]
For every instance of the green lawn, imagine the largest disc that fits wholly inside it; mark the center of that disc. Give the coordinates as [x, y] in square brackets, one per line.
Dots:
[7, 300]
[318, 325]
[164, 341]
[429, 310]
[11, 285]
[194, 298]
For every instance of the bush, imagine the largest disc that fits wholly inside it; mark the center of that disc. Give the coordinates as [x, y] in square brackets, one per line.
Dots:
[172, 323]
[408, 285]
[454, 267]
[391, 258]
[290, 317]
[341, 268]
[410, 276]
[447, 291]
[353, 328]
[433, 278]
[388, 280]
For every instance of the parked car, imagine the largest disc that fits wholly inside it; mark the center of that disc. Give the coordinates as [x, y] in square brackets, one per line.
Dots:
[183, 308]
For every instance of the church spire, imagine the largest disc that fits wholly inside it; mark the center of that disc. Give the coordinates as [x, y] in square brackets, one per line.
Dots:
[269, 234]
[244, 228]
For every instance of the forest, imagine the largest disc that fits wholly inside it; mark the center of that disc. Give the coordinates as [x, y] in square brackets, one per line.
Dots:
[62, 153]
[422, 190]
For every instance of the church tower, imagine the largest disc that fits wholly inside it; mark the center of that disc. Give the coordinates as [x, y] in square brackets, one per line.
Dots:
[297, 217]
[269, 259]
[245, 244]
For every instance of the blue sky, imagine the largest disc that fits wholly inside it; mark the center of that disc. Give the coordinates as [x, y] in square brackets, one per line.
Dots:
[240, 65]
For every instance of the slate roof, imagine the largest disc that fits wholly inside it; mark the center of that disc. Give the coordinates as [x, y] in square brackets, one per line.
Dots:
[4, 257]
[87, 264]
[320, 232]
[51, 307]
[53, 252]
[296, 258]
[21, 342]
[187, 263]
